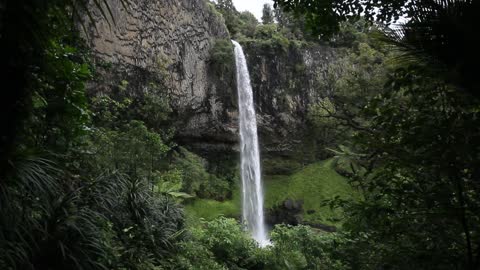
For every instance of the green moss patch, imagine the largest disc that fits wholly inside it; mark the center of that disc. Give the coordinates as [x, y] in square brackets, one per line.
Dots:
[313, 184]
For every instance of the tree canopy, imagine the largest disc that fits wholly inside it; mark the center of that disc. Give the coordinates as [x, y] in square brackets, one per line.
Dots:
[434, 29]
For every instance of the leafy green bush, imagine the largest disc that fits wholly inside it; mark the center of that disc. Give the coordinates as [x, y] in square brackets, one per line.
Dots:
[193, 170]
[222, 58]
[268, 35]
[192, 255]
[266, 31]
[151, 106]
[133, 149]
[216, 188]
[223, 244]
[248, 24]
[197, 181]
[213, 10]
[229, 244]
[300, 247]
[59, 113]
[320, 119]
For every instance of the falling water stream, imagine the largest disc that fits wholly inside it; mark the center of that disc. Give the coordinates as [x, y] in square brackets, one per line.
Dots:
[252, 194]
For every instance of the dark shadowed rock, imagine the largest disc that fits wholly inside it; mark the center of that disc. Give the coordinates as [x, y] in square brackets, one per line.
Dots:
[289, 212]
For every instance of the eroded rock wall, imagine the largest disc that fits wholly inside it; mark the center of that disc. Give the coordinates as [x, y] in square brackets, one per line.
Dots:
[286, 81]
[169, 41]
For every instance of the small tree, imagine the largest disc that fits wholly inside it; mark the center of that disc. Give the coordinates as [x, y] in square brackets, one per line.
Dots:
[267, 17]
[225, 5]
[281, 17]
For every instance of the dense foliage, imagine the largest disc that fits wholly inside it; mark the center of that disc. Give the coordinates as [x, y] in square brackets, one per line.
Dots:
[278, 29]
[79, 190]
[434, 29]
[96, 180]
[79, 194]
[222, 244]
[409, 142]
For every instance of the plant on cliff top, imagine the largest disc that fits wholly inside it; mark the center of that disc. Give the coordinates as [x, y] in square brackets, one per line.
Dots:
[222, 58]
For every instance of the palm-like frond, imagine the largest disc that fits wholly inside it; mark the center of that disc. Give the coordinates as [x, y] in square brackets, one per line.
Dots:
[32, 181]
[442, 35]
[42, 224]
[47, 221]
[37, 175]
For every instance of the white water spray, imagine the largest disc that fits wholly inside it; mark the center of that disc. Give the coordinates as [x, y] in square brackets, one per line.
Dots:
[252, 194]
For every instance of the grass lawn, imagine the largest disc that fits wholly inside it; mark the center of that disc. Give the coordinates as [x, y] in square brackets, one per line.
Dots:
[312, 184]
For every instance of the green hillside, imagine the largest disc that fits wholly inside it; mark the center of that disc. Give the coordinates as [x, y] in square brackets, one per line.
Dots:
[312, 184]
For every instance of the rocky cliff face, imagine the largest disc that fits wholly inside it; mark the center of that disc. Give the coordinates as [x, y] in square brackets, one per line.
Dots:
[170, 41]
[286, 80]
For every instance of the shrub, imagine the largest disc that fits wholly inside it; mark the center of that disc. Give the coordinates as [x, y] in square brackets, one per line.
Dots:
[269, 35]
[222, 58]
[229, 244]
[266, 31]
[248, 24]
[192, 255]
[300, 247]
[197, 180]
[134, 149]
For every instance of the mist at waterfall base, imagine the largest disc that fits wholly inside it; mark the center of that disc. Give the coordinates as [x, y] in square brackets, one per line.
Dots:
[252, 193]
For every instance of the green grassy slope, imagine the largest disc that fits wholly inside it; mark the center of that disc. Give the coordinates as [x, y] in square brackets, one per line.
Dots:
[312, 184]
[210, 209]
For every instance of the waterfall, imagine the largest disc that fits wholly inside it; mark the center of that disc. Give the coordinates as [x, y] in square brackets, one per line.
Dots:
[252, 194]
